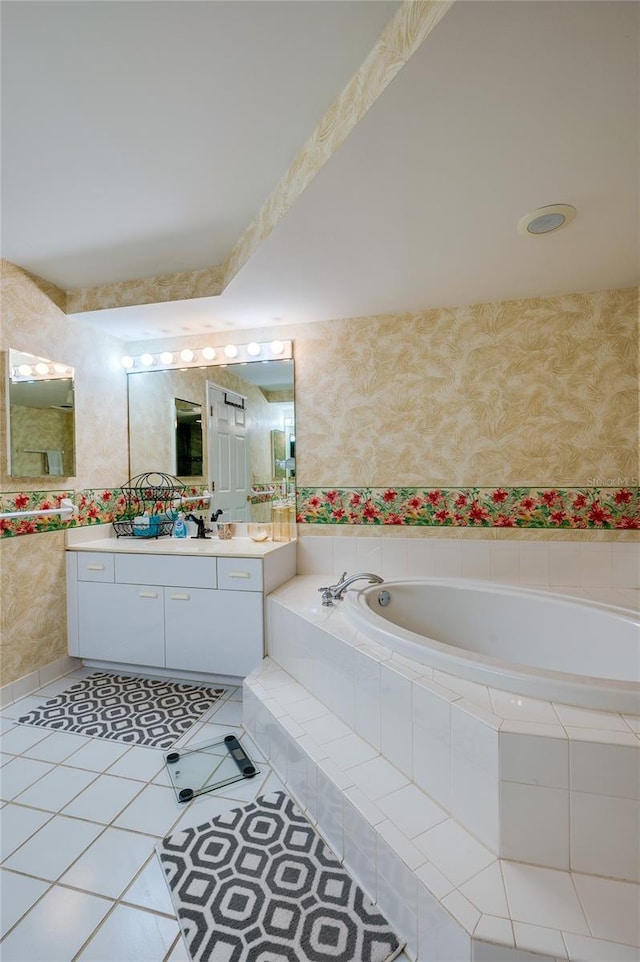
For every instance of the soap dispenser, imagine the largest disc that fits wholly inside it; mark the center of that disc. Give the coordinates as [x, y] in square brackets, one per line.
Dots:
[180, 527]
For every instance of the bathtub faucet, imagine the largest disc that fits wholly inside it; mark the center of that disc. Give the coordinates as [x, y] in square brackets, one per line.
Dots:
[335, 592]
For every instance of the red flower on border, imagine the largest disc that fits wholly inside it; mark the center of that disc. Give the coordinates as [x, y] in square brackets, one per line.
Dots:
[459, 519]
[355, 499]
[599, 515]
[93, 511]
[389, 495]
[353, 517]
[370, 511]
[394, 519]
[549, 497]
[558, 517]
[578, 521]
[106, 496]
[314, 502]
[434, 497]
[461, 501]
[415, 502]
[5, 524]
[332, 496]
[504, 521]
[28, 526]
[478, 513]
[623, 496]
[21, 501]
[499, 495]
[627, 522]
[442, 515]
[580, 501]
[338, 514]
[528, 503]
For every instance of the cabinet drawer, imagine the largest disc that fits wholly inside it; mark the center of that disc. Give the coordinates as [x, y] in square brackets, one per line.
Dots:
[95, 566]
[240, 574]
[184, 572]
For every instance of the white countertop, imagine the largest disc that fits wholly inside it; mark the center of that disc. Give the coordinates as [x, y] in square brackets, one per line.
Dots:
[211, 547]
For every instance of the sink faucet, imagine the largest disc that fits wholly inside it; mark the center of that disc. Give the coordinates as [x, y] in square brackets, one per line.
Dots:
[202, 531]
[335, 592]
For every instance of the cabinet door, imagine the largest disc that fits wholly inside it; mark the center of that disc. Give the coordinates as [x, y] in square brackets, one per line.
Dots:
[213, 631]
[121, 623]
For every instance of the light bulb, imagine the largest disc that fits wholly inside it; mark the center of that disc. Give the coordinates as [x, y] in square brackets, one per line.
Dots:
[231, 350]
[42, 368]
[127, 362]
[25, 370]
[146, 359]
[60, 368]
[166, 357]
[254, 349]
[208, 353]
[277, 347]
[187, 355]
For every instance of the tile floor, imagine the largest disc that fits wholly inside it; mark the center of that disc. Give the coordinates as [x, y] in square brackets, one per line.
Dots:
[79, 819]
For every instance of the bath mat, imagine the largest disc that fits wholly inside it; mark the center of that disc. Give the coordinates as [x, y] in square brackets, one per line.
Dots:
[257, 884]
[140, 711]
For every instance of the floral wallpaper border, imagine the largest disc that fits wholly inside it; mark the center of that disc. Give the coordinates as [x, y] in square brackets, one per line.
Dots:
[95, 506]
[500, 507]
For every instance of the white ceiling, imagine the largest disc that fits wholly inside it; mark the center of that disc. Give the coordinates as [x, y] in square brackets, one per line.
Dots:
[140, 138]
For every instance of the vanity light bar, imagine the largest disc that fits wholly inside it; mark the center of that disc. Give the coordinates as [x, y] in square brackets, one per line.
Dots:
[206, 356]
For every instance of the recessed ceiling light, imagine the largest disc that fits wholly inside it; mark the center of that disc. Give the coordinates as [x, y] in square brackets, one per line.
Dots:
[546, 219]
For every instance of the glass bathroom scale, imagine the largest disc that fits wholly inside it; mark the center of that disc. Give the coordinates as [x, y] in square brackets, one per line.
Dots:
[206, 766]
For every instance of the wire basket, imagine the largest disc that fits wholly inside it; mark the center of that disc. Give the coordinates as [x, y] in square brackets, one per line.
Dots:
[151, 494]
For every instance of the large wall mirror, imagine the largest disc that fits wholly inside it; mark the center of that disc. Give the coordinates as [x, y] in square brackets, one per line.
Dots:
[227, 426]
[41, 435]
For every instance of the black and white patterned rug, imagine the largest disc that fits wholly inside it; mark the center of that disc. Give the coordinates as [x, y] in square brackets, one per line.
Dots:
[140, 711]
[257, 884]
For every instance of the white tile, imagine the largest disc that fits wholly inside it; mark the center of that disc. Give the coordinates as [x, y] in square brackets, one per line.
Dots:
[150, 889]
[22, 707]
[131, 935]
[306, 709]
[454, 852]
[625, 566]
[363, 806]
[583, 949]
[564, 564]
[397, 893]
[432, 741]
[605, 769]
[377, 777]
[599, 736]
[142, 764]
[476, 559]
[349, 751]
[395, 558]
[447, 559]
[97, 754]
[531, 760]
[56, 789]
[411, 811]
[53, 848]
[56, 927]
[434, 880]
[534, 563]
[505, 562]
[475, 776]
[493, 929]
[534, 824]
[367, 697]
[21, 738]
[508, 705]
[488, 952]
[595, 564]
[26, 685]
[226, 713]
[17, 825]
[326, 729]
[585, 718]
[18, 774]
[464, 688]
[103, 799]
[605, 835]
[440, 937]
[535, 938]
[361, 865]
[486, 891]
[611, 908]
[180, 953]
[633, 721]
[400, 844]
[56, 747]
[462, 910]
[518, 727]
[542, 896]
[17, 894]
[110, 863]
[153, 811]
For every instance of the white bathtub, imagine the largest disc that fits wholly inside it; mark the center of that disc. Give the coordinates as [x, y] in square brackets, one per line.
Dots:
[525, 641]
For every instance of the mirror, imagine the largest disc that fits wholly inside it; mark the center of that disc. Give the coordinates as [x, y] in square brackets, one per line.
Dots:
[241, 409]
[41, 438]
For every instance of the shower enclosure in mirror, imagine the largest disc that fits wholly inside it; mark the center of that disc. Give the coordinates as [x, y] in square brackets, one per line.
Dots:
[241, 406]
[41, 437]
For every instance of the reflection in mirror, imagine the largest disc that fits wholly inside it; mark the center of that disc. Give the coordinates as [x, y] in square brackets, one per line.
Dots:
[253, 399]
[188, 439]
[41, 417]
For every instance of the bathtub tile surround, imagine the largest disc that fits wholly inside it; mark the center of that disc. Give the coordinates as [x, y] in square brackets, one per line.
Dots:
[534, 807]
[501, 507]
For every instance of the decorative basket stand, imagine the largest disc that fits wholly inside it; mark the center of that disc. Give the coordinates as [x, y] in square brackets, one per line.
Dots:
[153, 493]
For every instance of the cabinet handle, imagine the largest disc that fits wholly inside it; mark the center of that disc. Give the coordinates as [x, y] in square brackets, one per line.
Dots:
[95, 567]
[184, 597]
[147, 594]
[239, 574]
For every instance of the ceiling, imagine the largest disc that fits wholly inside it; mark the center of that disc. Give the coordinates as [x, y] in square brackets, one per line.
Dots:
[143, 138]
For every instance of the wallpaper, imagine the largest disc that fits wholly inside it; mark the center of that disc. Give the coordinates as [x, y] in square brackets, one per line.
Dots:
[406, 31]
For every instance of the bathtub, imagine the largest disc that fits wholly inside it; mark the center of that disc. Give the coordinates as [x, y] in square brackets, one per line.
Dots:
[522, 640]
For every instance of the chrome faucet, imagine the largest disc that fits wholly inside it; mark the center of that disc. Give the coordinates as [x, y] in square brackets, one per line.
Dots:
[335, 592]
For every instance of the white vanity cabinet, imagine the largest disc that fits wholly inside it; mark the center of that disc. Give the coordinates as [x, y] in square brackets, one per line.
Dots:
[176, 612]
